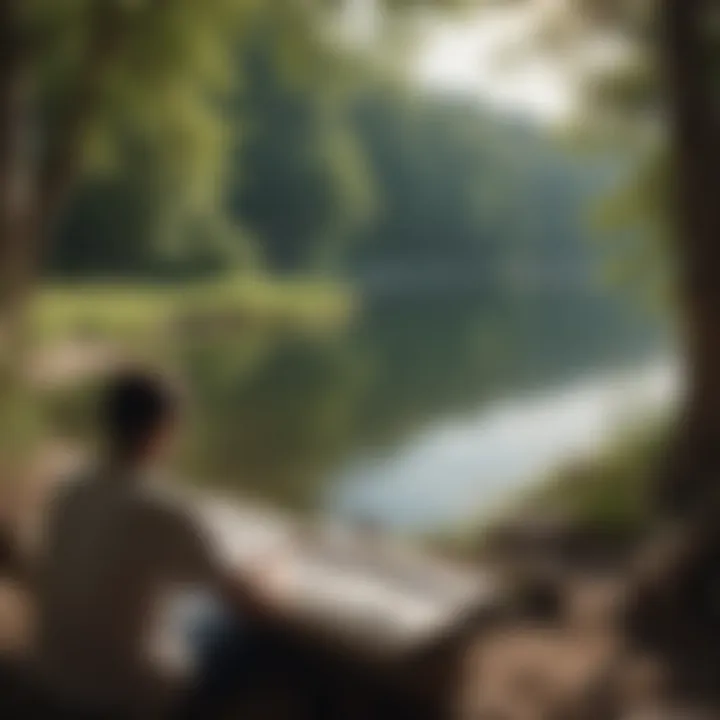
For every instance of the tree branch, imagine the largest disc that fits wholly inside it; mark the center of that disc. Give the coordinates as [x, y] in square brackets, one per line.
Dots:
[110, 25]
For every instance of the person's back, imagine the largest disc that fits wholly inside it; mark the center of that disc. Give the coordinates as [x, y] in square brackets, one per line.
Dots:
[114, 544]
[109, 557]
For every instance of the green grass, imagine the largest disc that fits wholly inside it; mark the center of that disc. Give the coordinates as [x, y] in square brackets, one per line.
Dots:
[119, 311]
[609, 491]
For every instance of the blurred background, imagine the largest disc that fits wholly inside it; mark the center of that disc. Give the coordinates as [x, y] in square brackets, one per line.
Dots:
[427, 267]
[407, 256]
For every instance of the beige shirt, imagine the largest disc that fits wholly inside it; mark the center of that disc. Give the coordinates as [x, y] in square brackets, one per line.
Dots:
[113, 547]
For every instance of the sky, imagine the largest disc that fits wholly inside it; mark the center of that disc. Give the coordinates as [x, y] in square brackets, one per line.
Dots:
[493, 54]
[462, 53]
[486, 55]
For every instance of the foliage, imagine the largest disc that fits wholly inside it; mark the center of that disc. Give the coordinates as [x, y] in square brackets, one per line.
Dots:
[611, 489]
[325, 165]
[299, 184]
[638, 213]
[270, 135]
[119, 80]
[378, 183]
[116, 313]
[469, 197]
[608, 493]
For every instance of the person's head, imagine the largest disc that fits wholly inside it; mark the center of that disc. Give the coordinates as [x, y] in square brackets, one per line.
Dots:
[138, 414]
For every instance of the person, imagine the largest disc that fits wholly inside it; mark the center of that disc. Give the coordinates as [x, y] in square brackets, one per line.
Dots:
[116, 541]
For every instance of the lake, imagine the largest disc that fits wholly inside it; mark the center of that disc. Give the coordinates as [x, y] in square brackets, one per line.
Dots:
[463, 468]
[431, 408]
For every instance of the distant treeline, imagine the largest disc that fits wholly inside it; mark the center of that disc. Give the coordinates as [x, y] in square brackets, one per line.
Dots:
[343, 174]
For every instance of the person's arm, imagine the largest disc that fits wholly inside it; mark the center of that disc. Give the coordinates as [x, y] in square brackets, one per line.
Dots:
[252, 595]
[192, 557]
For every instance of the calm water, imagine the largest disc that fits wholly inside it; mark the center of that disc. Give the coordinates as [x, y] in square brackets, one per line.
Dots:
[462, 468]
[430, 408]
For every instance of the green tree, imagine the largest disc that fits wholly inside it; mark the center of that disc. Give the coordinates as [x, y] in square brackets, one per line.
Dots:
[665, 89]
[294, 182]
[128, 225]
[299, 184]
[84, 84]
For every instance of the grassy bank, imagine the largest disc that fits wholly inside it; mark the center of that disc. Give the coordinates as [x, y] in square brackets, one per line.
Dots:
[608, 492]
[117, 311]
[611, 489]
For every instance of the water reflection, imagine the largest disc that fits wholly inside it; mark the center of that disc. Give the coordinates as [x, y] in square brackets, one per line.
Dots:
[287, 416]
[462, 469]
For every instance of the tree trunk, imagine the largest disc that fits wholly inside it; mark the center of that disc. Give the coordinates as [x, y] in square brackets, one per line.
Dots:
[17, 166]
[693, 469]
[39, 167]
[18, 222]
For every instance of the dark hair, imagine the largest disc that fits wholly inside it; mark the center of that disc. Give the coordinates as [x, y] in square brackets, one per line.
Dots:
[136, 404]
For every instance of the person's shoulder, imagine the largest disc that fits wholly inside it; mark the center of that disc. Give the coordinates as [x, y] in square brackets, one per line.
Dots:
[170, 520]
[165, 509]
